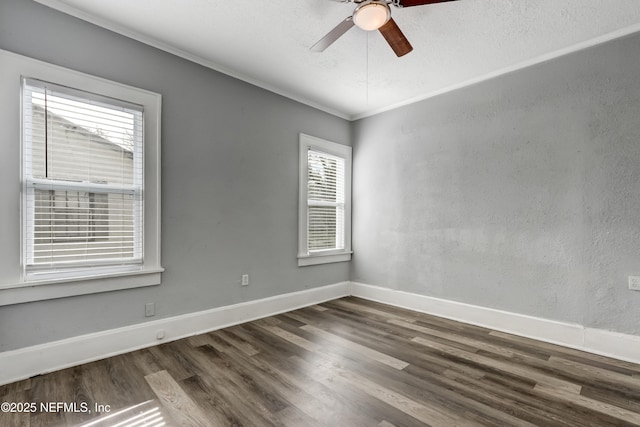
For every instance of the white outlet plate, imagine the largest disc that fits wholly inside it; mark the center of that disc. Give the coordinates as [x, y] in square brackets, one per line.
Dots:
[245, 280]
[634, 283]
[150, 309]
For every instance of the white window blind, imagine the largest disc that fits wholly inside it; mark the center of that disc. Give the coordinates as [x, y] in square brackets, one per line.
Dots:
[326, 201]
[83, 179]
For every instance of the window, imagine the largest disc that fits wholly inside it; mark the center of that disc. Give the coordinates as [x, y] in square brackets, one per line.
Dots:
[325, 202]
[86, 167]
[83, 180]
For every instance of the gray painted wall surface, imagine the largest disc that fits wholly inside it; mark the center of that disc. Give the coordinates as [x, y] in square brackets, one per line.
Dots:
[229, 181]
[521, 193]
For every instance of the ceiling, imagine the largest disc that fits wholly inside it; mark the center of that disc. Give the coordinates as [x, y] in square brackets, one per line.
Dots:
[267, 43]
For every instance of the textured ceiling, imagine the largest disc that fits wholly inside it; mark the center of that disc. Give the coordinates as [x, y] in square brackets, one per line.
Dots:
[267, 42]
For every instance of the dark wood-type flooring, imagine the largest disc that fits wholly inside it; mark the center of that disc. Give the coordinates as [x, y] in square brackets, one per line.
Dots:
[348, 362]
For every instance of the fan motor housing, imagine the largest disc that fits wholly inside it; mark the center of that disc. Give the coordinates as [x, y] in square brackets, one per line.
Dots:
[372, 14]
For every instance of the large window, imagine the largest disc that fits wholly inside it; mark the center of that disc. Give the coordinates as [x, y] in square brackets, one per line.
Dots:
[83, 180]
[325, 202]
[81, 183]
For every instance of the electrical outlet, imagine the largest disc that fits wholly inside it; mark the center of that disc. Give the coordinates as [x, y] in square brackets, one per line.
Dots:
[634, 283]
[150, 309]
[245, 280]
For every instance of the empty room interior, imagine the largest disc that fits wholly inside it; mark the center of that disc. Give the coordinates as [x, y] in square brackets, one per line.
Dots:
[320, 213]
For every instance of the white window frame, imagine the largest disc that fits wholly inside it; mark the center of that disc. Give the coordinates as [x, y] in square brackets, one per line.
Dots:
[16, 286]
[305, 257]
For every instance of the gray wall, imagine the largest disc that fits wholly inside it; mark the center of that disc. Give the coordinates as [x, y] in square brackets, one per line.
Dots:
[229, 181]
[521, 193]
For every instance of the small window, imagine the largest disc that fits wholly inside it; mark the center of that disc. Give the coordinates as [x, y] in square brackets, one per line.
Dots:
[325, 202]
[83, 180]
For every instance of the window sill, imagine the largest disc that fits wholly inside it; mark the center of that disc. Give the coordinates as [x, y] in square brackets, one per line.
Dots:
[38, 290]
[315, 259]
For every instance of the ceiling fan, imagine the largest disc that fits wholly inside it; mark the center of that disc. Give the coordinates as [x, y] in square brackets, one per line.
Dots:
[372, 15]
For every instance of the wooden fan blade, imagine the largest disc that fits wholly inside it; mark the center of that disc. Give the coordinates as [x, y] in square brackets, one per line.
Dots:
[409, 3]
[392, 34]
[333, 35]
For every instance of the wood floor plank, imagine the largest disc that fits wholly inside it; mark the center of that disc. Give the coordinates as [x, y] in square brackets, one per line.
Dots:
[431, 415]
[295, 396]
[353, 324]
[241, 344]
[13, 417]
[44, 389]
[520, 402]
[246, 399]
[576, 355]
[292, 416]
[603, 407]
[362, 308]
[19, 386]
[502, 366]
[410, 351]
[329, 406]
[481, 345]
[360, 349]
[620, 399]
[264, 397]
[441, 393]
[323, 371]
[617, 381]
[149, 413]
[179, 405]
[219, 410]
[347, 362]
[292, 338]
[172, 361]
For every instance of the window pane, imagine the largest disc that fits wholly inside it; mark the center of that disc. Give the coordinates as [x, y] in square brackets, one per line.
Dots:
[325, 228]
[83, 172]
[80, 140]
[73, 226]
[326, 177]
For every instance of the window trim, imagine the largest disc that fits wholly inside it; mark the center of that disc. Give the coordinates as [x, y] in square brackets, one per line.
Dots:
[305, 258]
[14, 286]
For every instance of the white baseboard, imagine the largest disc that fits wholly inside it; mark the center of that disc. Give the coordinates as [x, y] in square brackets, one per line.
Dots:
[26, 362]
[598, 341]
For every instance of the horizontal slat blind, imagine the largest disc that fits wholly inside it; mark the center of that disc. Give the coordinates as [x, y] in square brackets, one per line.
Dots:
[326, 201]
[83, 172]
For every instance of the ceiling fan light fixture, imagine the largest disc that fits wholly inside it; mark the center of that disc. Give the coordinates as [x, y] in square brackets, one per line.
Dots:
[372, 15]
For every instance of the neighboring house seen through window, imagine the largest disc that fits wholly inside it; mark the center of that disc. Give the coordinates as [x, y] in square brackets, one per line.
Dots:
[325, 202]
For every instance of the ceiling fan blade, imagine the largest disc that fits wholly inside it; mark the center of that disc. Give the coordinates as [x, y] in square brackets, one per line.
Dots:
[409, 3]
[398, 42]
[333, 35]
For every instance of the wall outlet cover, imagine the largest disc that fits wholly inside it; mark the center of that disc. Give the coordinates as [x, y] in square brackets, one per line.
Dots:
[150, 309]
[634, 283]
